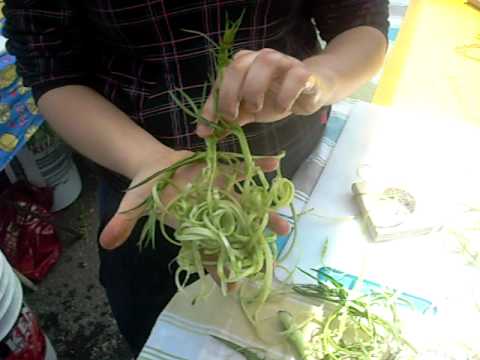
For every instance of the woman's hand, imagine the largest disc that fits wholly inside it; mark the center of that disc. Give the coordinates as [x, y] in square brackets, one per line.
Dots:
[120, 226]
[266, 86]
[122, 223]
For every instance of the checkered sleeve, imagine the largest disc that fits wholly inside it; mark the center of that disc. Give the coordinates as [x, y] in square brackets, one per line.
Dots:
[332, 17]
[44, 37]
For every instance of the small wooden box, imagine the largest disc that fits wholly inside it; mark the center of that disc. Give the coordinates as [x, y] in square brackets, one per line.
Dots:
[393, 212]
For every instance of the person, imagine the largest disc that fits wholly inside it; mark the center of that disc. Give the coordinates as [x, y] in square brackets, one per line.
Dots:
[101, 72]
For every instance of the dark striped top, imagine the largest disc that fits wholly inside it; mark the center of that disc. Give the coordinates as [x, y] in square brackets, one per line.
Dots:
[135, 51]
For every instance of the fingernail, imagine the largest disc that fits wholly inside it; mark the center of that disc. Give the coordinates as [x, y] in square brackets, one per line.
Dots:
[108, 245]
[310, 86]
[230, 116]
[286, 109]
[111, 241]
[255, 106]
[289, 107]
[203, 130]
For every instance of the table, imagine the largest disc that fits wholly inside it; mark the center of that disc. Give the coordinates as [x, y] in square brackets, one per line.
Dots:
[435, 65]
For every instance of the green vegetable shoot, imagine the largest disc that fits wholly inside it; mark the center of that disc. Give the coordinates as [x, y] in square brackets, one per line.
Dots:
[361, 327]
[344, 326]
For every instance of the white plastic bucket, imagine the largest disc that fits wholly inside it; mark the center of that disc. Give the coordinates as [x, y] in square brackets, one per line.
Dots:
[16, 318]
[50, 353]
[51, 165]
[11, 296]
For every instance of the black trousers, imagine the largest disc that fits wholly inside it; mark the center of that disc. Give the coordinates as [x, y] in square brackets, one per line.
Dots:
[139, 284]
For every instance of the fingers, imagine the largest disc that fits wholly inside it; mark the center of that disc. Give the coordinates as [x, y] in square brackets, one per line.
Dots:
[307, 104]
[120, 226]
[264, 82]
[228, 99]
[292, 88]
[267, 65]
[117, 231]
[233, 82]
[237, 171]
[268, 164]
[241, 53]
[203, 130]
[278, 224]
[212, 270]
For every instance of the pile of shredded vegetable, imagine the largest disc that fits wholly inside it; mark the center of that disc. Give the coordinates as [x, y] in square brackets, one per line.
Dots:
[226, 222]
[466, 231]
[357, 327]
[344, 325]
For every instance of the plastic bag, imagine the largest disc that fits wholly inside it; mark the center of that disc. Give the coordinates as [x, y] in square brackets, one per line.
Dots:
[26, 340]
[27, 237]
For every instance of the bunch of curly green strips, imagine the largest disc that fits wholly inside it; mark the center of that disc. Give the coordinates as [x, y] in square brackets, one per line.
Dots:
[354, 329]
[227, 223]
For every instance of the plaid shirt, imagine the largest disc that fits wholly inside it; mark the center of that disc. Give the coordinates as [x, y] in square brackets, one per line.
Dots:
[133, 52]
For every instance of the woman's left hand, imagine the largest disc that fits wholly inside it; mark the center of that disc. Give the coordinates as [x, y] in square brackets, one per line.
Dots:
[266, 86]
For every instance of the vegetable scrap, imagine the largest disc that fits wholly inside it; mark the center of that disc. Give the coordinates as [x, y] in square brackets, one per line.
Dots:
[365, 327]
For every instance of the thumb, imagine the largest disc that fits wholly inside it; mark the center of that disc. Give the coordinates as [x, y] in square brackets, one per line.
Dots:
[134, 202]
[268, 164]
[120, 226]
